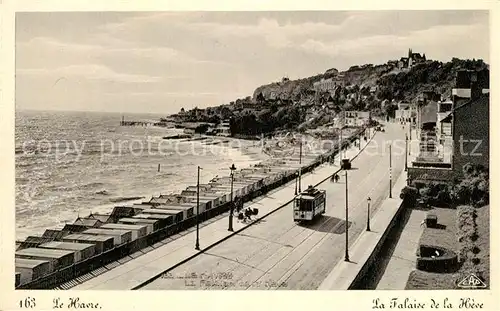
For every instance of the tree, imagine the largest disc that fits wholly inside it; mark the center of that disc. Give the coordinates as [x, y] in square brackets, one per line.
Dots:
[474, 187]
[390, 110]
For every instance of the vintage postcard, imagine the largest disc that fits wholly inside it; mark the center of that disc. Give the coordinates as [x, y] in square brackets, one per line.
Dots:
[155, 151]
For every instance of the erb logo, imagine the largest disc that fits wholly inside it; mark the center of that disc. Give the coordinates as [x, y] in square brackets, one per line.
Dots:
[471, 281]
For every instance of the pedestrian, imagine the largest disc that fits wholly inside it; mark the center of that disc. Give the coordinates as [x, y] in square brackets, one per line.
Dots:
[248, 213]
[337, 178]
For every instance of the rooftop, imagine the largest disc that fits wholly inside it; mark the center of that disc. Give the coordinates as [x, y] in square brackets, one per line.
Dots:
[44, 252]
[66, 245]
[29, 263]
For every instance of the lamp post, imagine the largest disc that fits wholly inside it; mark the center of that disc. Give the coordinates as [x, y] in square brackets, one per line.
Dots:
[346, 258]
[197, 245]
[232, 168]
[390, 170]
[300, 165]
[296, 179]
[369, 200]
[409, 149]
[406, 153]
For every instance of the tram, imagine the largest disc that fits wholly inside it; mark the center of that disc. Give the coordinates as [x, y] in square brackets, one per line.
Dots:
[309, 204]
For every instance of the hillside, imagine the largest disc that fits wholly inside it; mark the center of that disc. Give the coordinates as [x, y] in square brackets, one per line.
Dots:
[295, 104]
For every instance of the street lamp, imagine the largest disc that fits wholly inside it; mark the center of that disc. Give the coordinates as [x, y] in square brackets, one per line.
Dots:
[346, 258]
[369, 200]
[390, 170]
[406, 153]
[296, 179]
[300, 165]
[232, 168]
[197, 245]
[409, 149]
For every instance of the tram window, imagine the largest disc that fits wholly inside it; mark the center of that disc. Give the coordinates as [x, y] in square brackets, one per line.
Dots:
[306, 205]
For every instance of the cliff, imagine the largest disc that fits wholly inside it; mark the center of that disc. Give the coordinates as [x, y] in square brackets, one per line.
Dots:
[295, 104]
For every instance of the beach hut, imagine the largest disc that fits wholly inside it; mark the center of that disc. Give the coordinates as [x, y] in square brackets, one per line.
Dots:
[31, 269]
[164, 220]
[138, 231]
[18, 278]
[102, 242]
[120, 236]
[57, 258]
[82, 250]
[151, 224]
[88, 222]
[177, 215]
[187, 211]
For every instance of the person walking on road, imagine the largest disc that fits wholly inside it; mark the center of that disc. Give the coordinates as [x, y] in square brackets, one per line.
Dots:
[337, 178]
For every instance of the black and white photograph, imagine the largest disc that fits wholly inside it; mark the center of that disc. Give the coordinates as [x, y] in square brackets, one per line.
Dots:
[253, 150]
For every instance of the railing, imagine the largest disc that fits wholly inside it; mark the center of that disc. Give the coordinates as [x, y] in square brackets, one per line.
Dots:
[64, 275]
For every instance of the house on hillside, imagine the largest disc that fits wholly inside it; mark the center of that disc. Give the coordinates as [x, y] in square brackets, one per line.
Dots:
[462, 134]
[412, 60]
[223, 129]
[470, 131]
[356, 118]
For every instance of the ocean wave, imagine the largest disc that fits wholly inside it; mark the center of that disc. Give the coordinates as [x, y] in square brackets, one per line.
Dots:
[123, 199]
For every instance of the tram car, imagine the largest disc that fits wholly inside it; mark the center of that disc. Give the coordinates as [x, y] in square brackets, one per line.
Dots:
[309, 204]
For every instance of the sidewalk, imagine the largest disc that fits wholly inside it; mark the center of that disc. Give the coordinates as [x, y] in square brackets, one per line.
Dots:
[403, 260]
[153, 261]
[400, 264]
[344, 273]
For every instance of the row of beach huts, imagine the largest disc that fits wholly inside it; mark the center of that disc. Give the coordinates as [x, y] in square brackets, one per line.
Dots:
[97, 234]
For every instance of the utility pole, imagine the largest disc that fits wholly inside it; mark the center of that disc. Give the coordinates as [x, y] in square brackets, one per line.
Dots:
[390, 171]
[409, 150]
[368, 214]
[346, 258]
[296, 179]
[232, 168]
[406, 153]
[197, 245]
[300, 165]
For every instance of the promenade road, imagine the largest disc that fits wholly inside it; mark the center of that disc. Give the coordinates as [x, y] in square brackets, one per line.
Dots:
[139, 267]
[277, 253]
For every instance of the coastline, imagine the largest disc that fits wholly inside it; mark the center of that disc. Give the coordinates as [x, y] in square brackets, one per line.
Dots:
[245, 154]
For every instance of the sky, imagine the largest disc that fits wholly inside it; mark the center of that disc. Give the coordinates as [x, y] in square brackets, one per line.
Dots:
[160, 62]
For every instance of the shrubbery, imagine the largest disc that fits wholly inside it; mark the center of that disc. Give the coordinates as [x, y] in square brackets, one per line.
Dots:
[467, 238]
[472, 190]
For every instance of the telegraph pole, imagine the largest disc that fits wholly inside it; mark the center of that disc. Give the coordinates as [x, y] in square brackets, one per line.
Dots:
[197, 245]
[296, 178]
[368, 214]
[232, 168]
[346, 257]
[390, 171]
[406, 153]
[300, 165]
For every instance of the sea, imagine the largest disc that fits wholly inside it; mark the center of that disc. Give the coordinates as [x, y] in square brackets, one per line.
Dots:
[69, 164]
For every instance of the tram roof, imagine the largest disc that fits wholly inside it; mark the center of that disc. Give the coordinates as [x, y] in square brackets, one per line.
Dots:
[305, 197]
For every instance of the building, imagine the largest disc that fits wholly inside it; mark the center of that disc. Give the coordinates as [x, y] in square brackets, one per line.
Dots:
[223, 129]
[411, 60]
[467, 123]
[356, 118]
[425, 108]
[470, 133]
[466, 82]
[443, 130]
[467, 120]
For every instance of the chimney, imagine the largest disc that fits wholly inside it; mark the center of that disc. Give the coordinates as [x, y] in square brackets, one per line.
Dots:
[475, 87]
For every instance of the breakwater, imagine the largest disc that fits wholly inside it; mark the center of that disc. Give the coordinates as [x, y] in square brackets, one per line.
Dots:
[105, 260]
